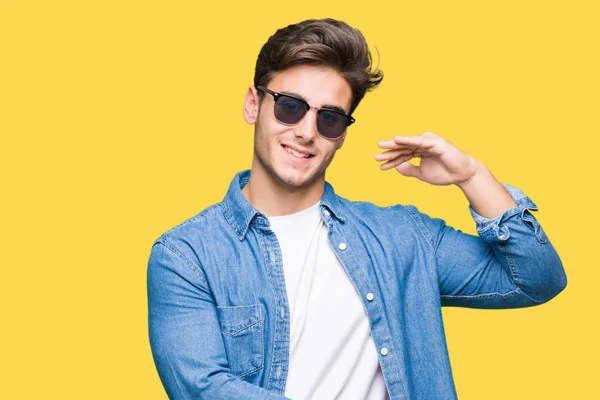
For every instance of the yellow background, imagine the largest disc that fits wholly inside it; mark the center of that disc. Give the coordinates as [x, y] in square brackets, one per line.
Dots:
[120, 119]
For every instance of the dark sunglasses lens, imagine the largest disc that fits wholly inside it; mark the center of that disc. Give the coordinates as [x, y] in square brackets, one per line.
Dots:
[331, 124]
[289, 110]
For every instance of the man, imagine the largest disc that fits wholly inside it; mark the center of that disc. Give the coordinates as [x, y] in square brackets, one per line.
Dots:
[286, 289]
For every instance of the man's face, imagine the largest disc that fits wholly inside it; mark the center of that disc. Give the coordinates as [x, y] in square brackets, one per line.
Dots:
[273, 140]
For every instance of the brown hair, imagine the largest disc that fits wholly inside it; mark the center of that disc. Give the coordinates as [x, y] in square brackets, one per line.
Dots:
[325, 42]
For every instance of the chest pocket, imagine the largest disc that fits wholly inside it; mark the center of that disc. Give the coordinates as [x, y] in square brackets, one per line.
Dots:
[242, 328]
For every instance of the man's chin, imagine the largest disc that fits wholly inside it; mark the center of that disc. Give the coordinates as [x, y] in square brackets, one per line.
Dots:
[295, 180]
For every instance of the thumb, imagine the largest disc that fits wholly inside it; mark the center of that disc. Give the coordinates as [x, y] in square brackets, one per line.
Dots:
[408, 169]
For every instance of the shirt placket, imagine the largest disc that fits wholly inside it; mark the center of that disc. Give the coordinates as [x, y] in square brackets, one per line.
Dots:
[273, 263]
[371, 303]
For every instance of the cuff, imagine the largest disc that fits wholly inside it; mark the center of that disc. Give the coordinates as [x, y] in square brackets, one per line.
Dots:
[496, 229]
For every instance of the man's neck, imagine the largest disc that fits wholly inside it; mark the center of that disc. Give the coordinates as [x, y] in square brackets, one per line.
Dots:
[274, 198]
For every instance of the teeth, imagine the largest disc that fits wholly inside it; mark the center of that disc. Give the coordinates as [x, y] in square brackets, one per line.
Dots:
[294, 152]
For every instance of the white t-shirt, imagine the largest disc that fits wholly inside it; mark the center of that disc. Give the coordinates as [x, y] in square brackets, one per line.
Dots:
[332, 353]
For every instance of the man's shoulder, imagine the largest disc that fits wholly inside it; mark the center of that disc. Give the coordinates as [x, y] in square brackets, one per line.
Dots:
[392, 221]
[373, 209]
[396, 215]
[203, 224]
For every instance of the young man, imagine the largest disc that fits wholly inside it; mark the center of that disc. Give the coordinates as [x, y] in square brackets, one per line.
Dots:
[286, 289]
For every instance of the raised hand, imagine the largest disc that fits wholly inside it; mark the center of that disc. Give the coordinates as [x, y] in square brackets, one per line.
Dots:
[441, 162]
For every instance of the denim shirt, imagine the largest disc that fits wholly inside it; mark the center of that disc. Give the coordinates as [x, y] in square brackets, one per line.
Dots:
[219, 318]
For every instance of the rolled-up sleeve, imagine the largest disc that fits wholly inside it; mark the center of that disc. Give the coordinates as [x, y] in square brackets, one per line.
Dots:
[496, 230]
[510, 263]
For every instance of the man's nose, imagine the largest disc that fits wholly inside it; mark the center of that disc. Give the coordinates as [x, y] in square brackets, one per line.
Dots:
[307, 128]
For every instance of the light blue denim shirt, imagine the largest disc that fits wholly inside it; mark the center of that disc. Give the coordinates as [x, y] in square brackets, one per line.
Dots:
[219, 319]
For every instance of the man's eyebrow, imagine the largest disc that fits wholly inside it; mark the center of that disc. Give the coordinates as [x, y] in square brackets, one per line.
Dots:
[328, 106]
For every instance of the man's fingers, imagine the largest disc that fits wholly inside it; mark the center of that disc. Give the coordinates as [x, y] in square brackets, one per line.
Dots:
[427, 141]
[388, 144]
[408, 169]
[423, 142]
[396, 161]
[390, 154]
[392, 145]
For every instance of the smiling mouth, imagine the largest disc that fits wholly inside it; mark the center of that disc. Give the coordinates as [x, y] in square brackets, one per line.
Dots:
[296, 153]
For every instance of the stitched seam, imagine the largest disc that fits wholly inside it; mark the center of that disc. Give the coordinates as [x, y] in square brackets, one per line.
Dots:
[483, 296]
[229, 307]
[515, 275]
[241, 329]
[231, 220]
[508, 214]
[260, 333]
[262, 342]
[533, 224]
[422, 227]
[511, 264]
[251, 371]
[272, 381]
[523, 203]
[276, 333]
[196, 218]
[196, 269]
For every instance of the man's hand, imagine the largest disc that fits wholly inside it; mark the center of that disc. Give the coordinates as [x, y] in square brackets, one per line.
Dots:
[441, 162]
[444, 164]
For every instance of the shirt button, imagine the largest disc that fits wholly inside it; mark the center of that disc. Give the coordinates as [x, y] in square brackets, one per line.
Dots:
[384, 351]
[282, 312]
[370, 296]
[326, 212]
[343, 246]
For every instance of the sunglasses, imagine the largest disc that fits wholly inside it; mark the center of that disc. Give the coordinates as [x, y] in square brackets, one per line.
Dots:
[290, 110]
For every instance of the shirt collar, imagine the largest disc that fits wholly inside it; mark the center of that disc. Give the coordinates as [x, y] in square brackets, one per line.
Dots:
[239, 213]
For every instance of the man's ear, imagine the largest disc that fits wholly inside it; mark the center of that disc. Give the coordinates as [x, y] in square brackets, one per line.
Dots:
[251, 105]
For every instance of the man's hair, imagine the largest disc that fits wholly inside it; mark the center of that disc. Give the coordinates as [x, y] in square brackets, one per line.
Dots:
[325, 43]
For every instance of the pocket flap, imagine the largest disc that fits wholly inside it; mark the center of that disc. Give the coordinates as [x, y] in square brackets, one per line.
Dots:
[235, 319]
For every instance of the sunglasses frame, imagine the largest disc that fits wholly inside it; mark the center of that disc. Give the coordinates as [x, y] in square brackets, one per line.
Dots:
[277, 95]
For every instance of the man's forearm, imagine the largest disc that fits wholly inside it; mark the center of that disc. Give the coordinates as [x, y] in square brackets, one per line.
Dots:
[486, 195]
